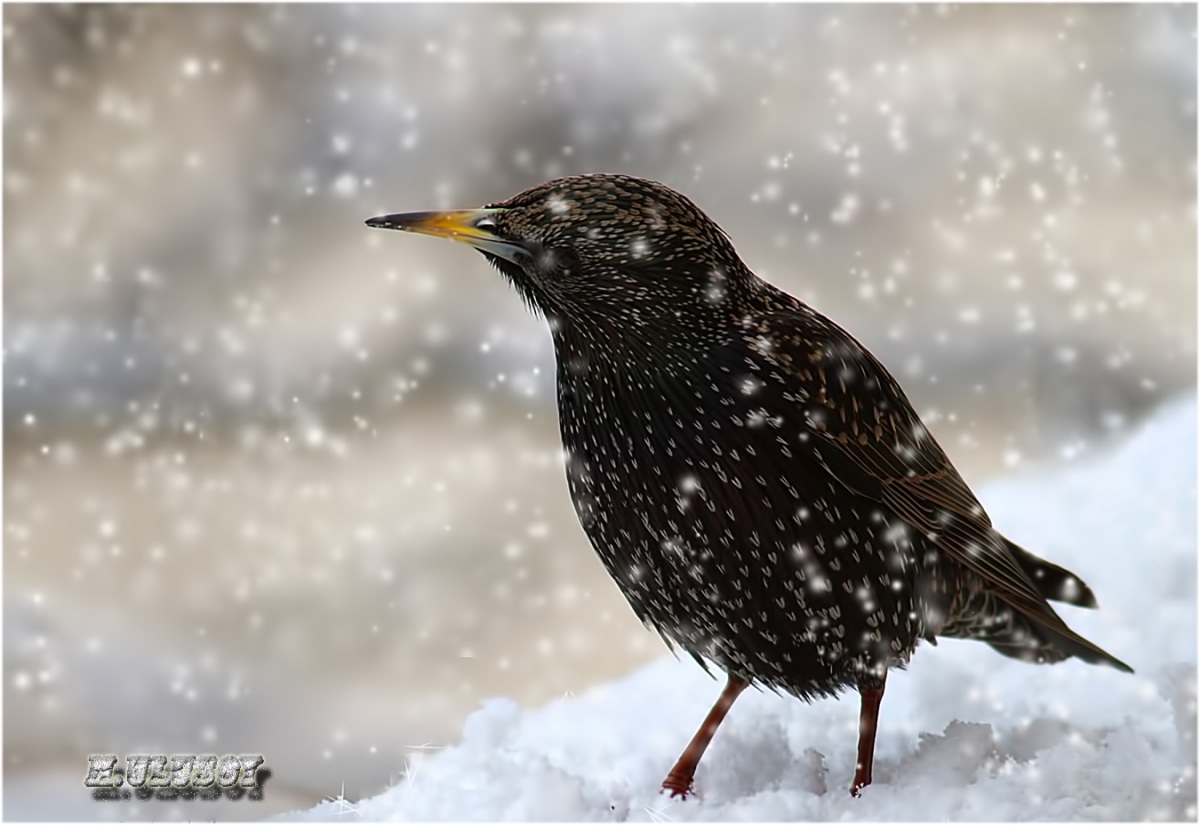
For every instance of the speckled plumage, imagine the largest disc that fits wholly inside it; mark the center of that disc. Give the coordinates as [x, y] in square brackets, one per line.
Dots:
[754, 480]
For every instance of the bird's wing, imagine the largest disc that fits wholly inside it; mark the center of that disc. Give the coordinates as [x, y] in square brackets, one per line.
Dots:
[866, 433]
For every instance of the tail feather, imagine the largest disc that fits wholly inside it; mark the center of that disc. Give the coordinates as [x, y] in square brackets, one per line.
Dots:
[1053, 582]
[988, 618]
[1071, 643]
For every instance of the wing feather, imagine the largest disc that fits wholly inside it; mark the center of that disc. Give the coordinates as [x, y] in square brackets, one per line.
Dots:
[872, 440]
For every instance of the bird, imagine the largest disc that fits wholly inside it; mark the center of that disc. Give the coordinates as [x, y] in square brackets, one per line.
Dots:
[755, 481]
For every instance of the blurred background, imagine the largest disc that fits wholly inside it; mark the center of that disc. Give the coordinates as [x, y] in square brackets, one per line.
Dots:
[278, 483]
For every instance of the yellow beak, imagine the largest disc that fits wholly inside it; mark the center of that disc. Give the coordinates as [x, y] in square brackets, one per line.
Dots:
[474, 227]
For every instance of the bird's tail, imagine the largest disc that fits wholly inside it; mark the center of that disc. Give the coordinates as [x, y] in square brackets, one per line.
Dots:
[989, 618]
[1053, 582]
[1032, 641]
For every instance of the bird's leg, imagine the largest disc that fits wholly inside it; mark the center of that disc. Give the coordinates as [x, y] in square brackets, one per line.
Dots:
[679, 780]
[867, 721]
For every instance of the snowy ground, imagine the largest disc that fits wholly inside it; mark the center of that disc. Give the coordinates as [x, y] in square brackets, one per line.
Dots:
[965, 733]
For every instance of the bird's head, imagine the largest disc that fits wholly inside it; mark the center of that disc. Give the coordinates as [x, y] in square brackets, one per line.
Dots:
[598, 248]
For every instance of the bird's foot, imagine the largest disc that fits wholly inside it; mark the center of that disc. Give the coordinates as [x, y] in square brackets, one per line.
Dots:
[861, 780]
[677, 784]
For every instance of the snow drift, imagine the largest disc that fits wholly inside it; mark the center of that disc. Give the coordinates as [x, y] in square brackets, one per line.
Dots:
[964, 733]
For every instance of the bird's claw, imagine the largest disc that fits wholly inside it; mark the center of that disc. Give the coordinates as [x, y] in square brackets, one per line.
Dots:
[678, 786]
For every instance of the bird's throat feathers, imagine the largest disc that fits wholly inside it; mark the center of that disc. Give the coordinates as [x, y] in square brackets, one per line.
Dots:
[645, 308]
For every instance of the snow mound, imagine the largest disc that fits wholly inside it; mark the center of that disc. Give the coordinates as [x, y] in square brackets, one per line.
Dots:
[964, 733]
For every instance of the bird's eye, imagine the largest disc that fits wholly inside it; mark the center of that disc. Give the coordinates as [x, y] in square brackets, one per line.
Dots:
[487, 223]
[556, 262]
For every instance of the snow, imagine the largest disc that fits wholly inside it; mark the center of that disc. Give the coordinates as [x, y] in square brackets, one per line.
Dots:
[964, 734]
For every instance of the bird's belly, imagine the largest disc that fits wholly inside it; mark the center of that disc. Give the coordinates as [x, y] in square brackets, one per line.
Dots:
[749, 557]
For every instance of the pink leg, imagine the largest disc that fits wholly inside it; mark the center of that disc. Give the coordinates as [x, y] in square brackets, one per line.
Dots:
[679, 780]
[867, 722]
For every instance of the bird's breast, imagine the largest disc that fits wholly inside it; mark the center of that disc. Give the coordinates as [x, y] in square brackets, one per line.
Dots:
[703, 498]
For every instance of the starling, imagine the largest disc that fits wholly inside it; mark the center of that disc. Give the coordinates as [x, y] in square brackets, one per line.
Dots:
[756, 482]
